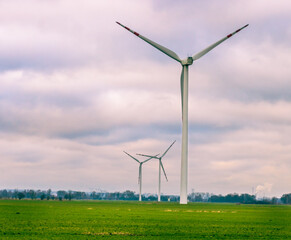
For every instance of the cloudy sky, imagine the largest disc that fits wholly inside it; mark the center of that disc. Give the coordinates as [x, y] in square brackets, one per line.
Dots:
[76, 90]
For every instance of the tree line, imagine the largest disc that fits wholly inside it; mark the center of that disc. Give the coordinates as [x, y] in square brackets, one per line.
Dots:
[132, 196]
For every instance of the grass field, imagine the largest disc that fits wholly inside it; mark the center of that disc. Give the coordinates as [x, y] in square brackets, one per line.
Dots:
[149, 220]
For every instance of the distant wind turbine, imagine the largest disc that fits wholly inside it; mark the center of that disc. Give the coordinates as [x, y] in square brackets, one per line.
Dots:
[184, 97]
[160, 166]
[140, 171]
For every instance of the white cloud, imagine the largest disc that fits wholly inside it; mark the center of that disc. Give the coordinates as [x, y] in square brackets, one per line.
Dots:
[261, 190]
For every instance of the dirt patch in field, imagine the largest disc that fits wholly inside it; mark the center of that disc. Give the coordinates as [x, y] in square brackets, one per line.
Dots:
[170, 210]
[206, 211]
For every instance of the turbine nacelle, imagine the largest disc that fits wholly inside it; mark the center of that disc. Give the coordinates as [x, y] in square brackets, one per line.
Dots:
[187, 61]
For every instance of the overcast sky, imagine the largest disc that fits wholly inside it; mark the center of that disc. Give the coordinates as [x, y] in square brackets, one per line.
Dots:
[76, 90]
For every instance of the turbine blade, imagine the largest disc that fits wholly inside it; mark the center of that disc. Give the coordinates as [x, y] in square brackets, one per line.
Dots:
[149, 156]
[182, 89]
[131, 156]
[163, 170]
[206, 50]
[139, 173]
[163, 49]
[168, 149]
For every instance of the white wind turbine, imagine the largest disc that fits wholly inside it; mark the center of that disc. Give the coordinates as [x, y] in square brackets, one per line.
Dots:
[160, 166]
[140, 171]
[184, 97]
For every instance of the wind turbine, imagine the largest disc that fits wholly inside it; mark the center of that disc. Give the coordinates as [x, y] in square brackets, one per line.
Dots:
[160, 166]
[184, 97]
[139, 171]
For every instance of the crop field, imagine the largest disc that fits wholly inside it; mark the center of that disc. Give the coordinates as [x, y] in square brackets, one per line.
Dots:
[27, 219]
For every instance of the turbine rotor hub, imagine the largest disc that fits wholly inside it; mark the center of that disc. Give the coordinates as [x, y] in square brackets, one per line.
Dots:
[187, 61]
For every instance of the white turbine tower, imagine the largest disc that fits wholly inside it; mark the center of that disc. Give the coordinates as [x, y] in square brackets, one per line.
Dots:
[139, 171]
[160, 166]
[184, 96]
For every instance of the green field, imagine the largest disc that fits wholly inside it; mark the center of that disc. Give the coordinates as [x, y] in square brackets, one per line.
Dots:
[149, 220]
